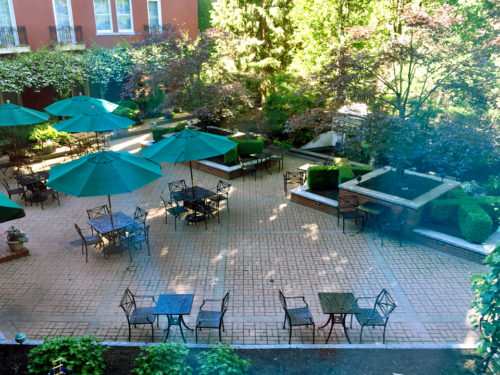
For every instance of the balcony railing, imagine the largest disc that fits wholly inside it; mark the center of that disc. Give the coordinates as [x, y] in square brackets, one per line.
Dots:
[66, 35]
[13, 36]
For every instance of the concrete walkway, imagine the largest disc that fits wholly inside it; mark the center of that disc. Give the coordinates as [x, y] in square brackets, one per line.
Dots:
[263, 244]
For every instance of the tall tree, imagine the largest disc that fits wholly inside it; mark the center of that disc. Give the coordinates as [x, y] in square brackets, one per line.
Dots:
[262, 29]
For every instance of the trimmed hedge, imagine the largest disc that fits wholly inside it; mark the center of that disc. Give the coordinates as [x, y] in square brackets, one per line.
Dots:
[492, 207]
[345, 174]
[158, 133]
[231, 157]
[341, 162]
[323, 177]
[474, 223]
[247, 147]
[444, 211]
[458, 194]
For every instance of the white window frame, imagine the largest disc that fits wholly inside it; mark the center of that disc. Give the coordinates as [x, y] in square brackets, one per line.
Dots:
[160, 23]
[110, 21]
[13, 23]
[131, 30]
[70, 16]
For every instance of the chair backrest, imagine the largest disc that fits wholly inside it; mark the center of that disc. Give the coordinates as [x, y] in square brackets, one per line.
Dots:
[127, 302]
[223, 187]
[402, 217]
[79, 231]
[299, 174]
[98, 211]
[140, 215]
[225, 303]
[348, 203]
[282, 300]
[5, 184]
[177, 185]
[384, 304]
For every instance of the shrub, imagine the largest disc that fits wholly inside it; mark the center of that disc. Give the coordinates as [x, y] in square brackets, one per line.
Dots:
[474, 223]
[46, 133]
[249, 146]
[152, 107]
[345, 174]
[284, 144]
[180, 126]
[323, 178]
[231, 157]
[492, 207]
[158, 133]
[458, 194]
[165, 358]
[80, 355]
[493, 185]
[221, 360]
[444, 211]
[129, 109]
[341, 162]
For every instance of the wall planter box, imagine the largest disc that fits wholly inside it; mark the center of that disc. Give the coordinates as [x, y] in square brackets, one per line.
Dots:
[220, 170]
[301, 195]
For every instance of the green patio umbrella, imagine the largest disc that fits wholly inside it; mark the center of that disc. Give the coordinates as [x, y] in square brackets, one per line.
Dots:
[78, 105]
[15, 115]
[188, 145]
[9, 210]
[103, 173]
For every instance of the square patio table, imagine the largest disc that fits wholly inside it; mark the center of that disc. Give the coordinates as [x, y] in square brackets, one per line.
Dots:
[102, 224]
[174, 306]
[371, 210]
[340, 304]
[187, 195]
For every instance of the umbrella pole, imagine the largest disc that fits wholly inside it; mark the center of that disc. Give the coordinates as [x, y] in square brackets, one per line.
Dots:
[97, 140]
[192, 181]
[111, 212]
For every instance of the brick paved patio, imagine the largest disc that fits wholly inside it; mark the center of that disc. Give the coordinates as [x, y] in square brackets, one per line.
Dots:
[264, 237]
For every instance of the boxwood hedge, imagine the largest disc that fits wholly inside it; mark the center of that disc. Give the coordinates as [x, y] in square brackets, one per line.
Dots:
[231, 157]
[474, 223]
[249, 146]
[323, 178]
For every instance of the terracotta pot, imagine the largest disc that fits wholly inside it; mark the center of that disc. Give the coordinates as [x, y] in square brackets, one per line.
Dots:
[15, 245]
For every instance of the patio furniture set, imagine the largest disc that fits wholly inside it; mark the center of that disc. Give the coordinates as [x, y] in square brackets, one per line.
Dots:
[174, 307]
[122, 232]
[196, 203]
[336, 305]
[263, 161]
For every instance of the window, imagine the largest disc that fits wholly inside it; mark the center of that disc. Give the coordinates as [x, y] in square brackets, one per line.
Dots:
[102, 11]
[8, 31]
[124, 15]
[154, 14]
[64, 21]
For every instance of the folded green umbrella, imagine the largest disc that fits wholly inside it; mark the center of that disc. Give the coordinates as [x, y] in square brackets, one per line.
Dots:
[9, 210]
[103, 173]
[188, 145]
[78, 105]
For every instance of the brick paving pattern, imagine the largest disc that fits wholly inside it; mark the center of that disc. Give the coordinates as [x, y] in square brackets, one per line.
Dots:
[263, 244]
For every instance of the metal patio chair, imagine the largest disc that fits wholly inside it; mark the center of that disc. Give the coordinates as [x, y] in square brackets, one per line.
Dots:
[296, 316]
[222, 194]
[212, 318]
[87, 240]
[247, 168]
[290, 178]
[378, 315]
[174, 209]
[137, 315]
[389, 224]
[348, 209]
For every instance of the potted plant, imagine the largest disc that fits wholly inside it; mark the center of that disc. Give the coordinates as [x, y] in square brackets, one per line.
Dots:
[16, 238]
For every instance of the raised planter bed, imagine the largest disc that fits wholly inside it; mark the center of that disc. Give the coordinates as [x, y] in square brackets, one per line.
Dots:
[310, 199]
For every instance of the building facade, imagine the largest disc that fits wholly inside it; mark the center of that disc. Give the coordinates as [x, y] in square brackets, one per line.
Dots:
[77, 24]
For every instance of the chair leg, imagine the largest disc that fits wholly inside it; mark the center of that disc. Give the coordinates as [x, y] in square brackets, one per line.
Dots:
[284, 322]
[220, 335]
[343, 225]
[361, 334]
[129, 335]
[290, 336]
[147, 243]
[196, 334]
[382, 238]
[314, 332]
[383, 336]
[152, 333]
[86, 254]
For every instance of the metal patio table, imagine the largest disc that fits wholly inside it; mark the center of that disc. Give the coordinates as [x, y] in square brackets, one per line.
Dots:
[371, 210]
[33, 178]
[340, 304]
[187, 195]
[102, 224]
[174, 306]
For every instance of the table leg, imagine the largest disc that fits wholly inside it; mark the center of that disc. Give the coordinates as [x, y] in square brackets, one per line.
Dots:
[331, 328]
[328, 321]
[184, 323]
[180, 327]
[168, 328]
[345, 328]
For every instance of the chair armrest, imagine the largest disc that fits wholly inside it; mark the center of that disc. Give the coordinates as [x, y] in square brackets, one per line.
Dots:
[152, 297]
[299, 297]
[209, 300]
[366, 298]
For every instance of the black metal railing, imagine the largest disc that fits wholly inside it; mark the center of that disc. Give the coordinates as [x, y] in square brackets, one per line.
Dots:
[13, 36]
[154, 30]
[65, 35]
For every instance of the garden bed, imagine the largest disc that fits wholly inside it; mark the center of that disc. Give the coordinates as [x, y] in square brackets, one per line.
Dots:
[120, 360]
[321, 200]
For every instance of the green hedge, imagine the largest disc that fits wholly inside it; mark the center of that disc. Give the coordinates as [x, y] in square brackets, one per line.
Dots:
[231, 157]
[323, 178]
[444, 211]
[158, 133]
[249, 146]
[492, 207]
[458, 194]
[345, 174]
[341, 162]
[474, 223]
